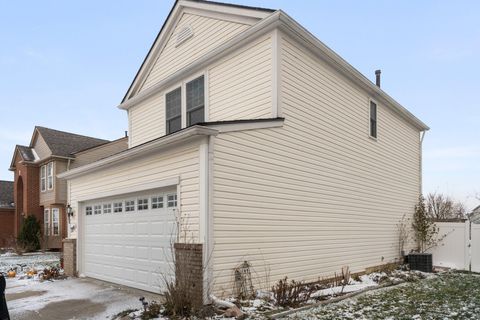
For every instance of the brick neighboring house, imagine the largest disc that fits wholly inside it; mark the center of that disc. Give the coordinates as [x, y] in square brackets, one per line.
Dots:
[7, 212]
[37, 191]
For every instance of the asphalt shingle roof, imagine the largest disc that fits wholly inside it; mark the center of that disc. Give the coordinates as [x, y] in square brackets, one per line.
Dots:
[27, 153]
[64, 144]
[6, 194]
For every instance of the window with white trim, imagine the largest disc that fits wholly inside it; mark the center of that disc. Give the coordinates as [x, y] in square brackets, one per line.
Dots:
[173, 107]
[129, 205]
[142, 204]
[107, 208]
[157, 202]
[50, 176]
[88, 210]
[117, 207]
[43, 178]
[46, 221]
[172, 200]
[373, 119]
[97, 209]
[195, 90]
[55, 221]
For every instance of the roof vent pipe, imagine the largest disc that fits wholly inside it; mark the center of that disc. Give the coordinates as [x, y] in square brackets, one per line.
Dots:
[377, 77]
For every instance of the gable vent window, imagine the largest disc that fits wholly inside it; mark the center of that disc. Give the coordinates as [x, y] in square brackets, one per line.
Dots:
[196, 101]
[373, 119]
[174, 110]
[183, 35]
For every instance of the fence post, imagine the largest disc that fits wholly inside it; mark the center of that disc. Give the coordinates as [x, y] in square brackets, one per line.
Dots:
[3, 302]
[468, 241]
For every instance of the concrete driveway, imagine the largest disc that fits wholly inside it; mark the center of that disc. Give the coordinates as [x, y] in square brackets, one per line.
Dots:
[79, 298]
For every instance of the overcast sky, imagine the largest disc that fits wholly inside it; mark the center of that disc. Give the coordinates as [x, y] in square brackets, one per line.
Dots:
[67, 64]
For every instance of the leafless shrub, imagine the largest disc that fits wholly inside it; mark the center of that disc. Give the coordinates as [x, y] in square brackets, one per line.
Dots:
[243, 287]
[291, 294]
[403, 227]
[342, 279]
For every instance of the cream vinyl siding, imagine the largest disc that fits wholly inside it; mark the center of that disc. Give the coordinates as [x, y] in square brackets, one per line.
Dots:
[317, 194]
[241, 85]
[100, 152]
[60, 184]
[208, 33]
[182, 162]
[147, 120]
[41, 148]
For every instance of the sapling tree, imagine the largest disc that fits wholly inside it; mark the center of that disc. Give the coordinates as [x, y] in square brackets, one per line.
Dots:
[424, 228]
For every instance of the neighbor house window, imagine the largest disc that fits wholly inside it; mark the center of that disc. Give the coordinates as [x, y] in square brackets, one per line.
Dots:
[117, 207]
[195, 101]
[107, 208]
[173, 103]
[97, 209]
[172, 201]
[130, 206]
[142, 204]
[157, 202]
[55, 221]
[50, 176]
[88, 211]
[46, 221]
[43, 178]
[373, 119]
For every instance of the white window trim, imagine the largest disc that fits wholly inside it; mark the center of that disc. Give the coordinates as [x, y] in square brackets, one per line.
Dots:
[43, 177]
[52, 175]
[57, 211]
[183, 86]
[175, 201]
[370, 100]
[46, 221]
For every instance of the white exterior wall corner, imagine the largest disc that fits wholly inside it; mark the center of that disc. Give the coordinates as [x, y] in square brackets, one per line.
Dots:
[317, 194]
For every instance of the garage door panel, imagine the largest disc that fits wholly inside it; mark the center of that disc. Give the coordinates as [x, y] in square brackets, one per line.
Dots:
[130, 248]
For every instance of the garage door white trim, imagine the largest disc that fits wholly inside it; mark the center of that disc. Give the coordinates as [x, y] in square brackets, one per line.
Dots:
[134, 188]
[129, 248]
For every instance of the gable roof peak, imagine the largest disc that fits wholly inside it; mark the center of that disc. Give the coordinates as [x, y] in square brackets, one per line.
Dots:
[64, 144]
[248, 15]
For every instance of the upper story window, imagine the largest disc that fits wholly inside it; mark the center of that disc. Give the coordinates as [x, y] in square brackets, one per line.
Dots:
[196, 101]
[185, 109]
[373, 119]
[173, 103]
[46, 177]
[43, 178]
[50, 176]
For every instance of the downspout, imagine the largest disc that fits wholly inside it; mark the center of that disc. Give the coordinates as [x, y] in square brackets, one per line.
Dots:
[208, 221]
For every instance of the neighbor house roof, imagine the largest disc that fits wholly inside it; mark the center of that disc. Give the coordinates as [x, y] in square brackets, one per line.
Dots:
[26, 152]
[6, 194]
[64, 144]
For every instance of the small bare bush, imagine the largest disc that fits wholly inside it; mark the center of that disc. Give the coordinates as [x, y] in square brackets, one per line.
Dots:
[291, 294]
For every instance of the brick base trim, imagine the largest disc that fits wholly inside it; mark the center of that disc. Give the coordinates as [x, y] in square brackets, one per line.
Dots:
[70, 257]
[189, 270]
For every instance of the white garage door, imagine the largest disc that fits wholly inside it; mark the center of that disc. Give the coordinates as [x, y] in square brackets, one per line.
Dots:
[128, 239]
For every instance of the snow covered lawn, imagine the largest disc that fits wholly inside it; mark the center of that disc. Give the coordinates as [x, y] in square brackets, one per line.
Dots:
[446, 296]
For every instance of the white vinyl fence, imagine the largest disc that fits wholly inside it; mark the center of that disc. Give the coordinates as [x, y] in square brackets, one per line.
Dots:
[460, 248]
